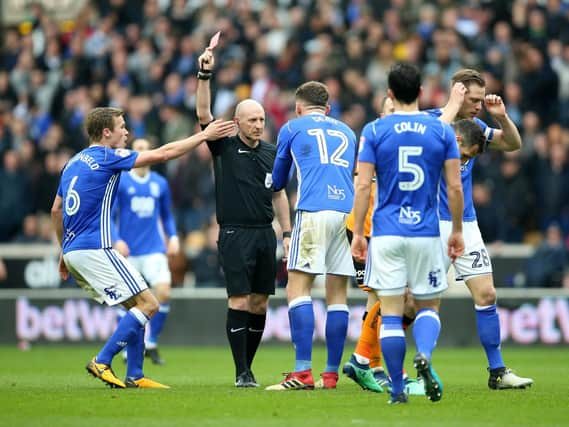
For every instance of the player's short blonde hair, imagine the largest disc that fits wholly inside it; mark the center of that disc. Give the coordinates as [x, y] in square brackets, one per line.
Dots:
[101, 118]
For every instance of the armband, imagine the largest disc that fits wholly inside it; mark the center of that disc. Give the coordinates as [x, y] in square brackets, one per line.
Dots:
[204, 74]
[286, 234]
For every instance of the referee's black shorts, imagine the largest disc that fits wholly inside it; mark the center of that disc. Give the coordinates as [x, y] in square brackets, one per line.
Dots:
[248, 259]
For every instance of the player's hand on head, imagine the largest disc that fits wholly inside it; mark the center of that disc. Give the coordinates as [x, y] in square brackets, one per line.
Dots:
[219, 129]
[206, 60]
[457, 93]
[494, 105]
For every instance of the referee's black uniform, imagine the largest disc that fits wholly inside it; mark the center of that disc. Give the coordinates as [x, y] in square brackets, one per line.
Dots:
[244, 209]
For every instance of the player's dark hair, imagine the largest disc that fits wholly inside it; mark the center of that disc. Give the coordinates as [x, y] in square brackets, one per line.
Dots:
[404, 80]
[100, 118]
[313, 94]
[471, 134]
[467, 76]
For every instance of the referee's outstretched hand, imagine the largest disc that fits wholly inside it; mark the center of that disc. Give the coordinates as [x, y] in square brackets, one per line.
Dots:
[206, 60]
[219, 129]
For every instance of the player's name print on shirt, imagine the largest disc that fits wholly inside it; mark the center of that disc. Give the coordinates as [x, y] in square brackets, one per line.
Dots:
[410, 127]
[91, 162]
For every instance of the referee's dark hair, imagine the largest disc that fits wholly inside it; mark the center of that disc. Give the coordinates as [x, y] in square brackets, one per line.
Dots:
[313, 93]
[404, 80]
[471, 134]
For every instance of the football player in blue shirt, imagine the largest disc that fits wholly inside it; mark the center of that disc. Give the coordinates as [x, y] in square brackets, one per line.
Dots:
[323, 150]
[475, 267]
[407, 151]
[81, 214]
[144, 219]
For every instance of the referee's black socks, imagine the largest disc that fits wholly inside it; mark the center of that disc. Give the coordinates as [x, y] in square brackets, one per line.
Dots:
[237, 331]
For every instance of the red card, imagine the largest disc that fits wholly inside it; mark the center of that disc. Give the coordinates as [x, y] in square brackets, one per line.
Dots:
[214, 40]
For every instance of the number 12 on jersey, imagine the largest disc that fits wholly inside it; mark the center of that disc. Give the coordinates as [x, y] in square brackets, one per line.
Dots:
[336, 157]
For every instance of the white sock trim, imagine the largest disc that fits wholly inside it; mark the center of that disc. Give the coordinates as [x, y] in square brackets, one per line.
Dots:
[429, 313]
[338, 307]
[300, 300]
[483, 307]
[361, 359]
[140, 316]
[164, 308]
[389, 333]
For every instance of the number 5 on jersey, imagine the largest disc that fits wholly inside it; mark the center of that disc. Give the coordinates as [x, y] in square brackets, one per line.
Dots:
[414, 169]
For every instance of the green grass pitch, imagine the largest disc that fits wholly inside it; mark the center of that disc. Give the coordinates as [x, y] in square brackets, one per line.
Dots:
[48, 386]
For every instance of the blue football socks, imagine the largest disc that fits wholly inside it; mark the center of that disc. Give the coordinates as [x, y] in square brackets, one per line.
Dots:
[157, 324]
[488, 325]
[336, 331]
[126, 330]
[393, 348]
[426, 331]
[301, 318]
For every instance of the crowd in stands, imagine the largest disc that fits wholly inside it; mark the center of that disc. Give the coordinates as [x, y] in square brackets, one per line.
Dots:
[141, 56]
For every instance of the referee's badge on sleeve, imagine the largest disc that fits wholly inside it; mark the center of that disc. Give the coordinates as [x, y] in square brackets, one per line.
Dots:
[268, 180]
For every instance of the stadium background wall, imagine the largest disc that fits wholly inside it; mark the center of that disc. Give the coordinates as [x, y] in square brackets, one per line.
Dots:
[528, 317]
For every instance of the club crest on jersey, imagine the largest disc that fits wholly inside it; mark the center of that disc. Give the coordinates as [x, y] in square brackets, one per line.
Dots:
[122, 152]
[268, 180]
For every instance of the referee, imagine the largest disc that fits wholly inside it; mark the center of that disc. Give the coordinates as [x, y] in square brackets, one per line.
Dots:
[243, 166]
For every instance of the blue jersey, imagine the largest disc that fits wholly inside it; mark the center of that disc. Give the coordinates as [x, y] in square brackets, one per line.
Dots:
[323, 150]
[469, 213]
[409, 151]
[144, 214]
[88, 187]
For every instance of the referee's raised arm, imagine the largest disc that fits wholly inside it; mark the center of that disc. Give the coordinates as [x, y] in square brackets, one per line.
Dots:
[203, 96]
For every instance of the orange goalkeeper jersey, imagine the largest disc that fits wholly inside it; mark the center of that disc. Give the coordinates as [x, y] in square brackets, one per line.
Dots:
[367, 221]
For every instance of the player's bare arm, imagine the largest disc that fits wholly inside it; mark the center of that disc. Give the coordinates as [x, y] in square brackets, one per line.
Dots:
[216, 130]
[57, 220]
[456, 207]
[455, 101]
[507, 138]
[361, 203]
[282, 211]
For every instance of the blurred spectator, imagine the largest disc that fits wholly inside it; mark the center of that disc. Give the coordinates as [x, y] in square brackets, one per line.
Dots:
[15, 190]
[486, 212]
[511, 190]
[140, 56]
[547, 265]
[205, 265]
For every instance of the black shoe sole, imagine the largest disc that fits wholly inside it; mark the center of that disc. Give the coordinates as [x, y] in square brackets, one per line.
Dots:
[432, 388]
